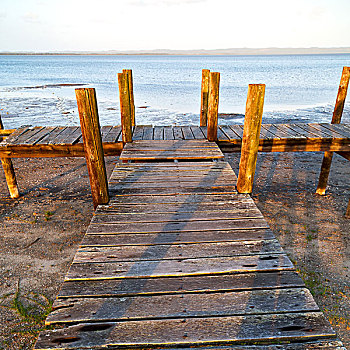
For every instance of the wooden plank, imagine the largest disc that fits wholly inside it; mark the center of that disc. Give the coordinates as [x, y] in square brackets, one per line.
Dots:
[192, 331]
[11, 140]
[277, 132]
[62, 136]
[113, 135]
[221, 135]
[158, 133]
[293, 133]
[168, 133]
[166, 199]
[257, 302]
[48, 150]
[325, 131]
[230, 208]
[174, 226]
[184, 216]
[175, 251]
[179, 267]
[38, 136]
[197, 133]
[21, 139]
[228, 132]
[148, 133]
[178, 135]
[338, 129]
[237, 129]
[308, 131]
[47, 140]
[175, 285]
[138, 133]
[74, 137]
[187, 132]
[181, 237]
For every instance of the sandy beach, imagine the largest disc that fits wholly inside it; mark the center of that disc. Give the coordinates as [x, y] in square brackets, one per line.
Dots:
[41, 231]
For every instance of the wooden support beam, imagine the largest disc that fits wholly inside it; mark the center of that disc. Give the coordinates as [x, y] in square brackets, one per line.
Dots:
[251, 134]
[347, 214]
[204, 98]
[213, 106]
[128, 72]
[337, 114]
[125, 108]
[90, 128]
[9, 171]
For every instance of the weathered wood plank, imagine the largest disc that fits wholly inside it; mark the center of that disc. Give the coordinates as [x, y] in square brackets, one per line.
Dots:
[175, 251]
[109, 217]
[192, 331]
[197, 133]
[110, 239]
[21, 139]
[113, 134]
[174, 226]
[175, 285]
[178, 135]
[138, 133]
[62, 136]
[38, 136]
[74, 137]
[237, 129]
[228, 132]
[168, 133]
[158, 133]
[148, 132]
[257, 302]
[51, 136]
[179, 267]
[187, 132]
[168, 199]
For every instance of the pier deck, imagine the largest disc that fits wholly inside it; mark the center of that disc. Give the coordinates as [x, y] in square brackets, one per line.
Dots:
[67, 141]
[178, 258]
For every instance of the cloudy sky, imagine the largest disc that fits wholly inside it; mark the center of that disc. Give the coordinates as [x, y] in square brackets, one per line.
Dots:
[58, 25]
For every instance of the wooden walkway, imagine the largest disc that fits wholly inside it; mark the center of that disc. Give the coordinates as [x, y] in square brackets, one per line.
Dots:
[179, 259]
[67, 141]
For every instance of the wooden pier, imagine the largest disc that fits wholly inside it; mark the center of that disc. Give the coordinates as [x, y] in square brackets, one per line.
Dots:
[177, 255]
[178, 258]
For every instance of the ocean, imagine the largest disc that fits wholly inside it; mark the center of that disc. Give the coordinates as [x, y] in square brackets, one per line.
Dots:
[39, 90]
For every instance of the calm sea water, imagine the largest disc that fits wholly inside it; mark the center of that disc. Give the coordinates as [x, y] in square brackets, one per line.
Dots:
[167, 88]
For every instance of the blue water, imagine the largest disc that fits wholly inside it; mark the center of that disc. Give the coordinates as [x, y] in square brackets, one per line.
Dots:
[167, 88]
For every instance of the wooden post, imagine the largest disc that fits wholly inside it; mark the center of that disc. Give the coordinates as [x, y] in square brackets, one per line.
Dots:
[213, 106]
[203, 118]
[125, 109]
[90, 128]
[251, 135]
[128, 72]
[347, 214]
[9, 171]
[336, 119]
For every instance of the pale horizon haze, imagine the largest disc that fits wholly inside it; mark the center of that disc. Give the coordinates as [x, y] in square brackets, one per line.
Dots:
[85, 25]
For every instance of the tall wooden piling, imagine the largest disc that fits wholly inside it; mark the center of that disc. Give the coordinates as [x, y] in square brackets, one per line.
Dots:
[336, 119]
[125, 107]
[204, 98]
[128, 72]
[9, 172]
[213, 106]
[347, 214]
[90, 128]
[251, 134]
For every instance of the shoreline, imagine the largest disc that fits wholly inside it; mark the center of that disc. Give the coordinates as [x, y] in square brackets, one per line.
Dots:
[42, 229]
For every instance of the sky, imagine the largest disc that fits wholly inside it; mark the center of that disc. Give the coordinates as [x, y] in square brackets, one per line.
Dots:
[86, 25]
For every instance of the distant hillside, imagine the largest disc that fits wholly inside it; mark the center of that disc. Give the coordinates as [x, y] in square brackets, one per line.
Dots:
[237, 51]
